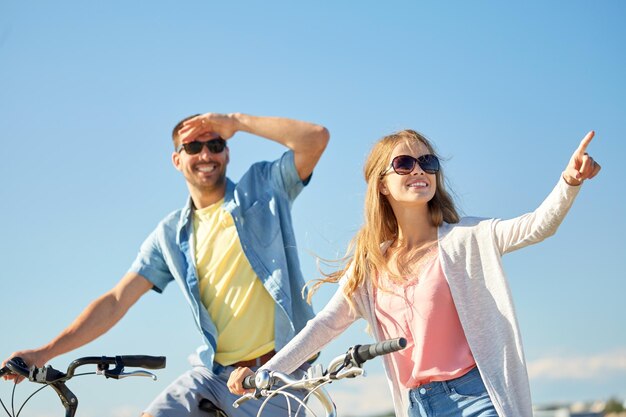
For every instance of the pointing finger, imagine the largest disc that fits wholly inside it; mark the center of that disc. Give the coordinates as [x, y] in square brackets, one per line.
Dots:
[582, 148]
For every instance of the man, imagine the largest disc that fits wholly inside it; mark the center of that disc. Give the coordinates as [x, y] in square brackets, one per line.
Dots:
[232, 251]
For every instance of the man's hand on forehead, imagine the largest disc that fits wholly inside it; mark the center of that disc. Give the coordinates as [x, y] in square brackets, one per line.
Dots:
[213, 125]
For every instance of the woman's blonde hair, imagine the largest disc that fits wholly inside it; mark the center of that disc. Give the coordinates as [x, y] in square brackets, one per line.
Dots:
[364, 253]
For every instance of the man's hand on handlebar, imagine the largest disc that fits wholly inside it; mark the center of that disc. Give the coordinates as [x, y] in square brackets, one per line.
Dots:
[30, 356]
[235, 381]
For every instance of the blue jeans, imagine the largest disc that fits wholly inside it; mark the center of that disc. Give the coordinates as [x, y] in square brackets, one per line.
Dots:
[465, 396]
[182, 397]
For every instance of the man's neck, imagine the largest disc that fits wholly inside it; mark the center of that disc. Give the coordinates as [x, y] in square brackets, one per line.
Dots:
[204, 198]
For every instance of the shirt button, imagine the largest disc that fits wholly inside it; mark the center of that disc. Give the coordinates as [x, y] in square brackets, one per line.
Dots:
[422, 391]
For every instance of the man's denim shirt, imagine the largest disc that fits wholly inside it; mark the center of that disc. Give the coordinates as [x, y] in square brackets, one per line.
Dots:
[261, 208]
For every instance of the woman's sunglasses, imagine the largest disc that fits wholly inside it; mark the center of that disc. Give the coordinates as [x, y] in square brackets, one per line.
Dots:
[195, 147]
[405, 164]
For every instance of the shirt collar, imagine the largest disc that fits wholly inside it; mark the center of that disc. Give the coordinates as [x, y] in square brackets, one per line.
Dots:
[187, 211]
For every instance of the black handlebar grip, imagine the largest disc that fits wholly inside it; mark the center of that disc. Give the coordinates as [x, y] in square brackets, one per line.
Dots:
[249, 382]
[366, 352]
[18, 366]
[143, 361]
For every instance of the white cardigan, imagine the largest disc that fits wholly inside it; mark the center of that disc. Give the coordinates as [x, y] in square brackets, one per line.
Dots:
[470, 254]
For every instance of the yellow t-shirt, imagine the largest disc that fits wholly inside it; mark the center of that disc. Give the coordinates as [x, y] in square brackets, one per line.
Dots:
[237, 301]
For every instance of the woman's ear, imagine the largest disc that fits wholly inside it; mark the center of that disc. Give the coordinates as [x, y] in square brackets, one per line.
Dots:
[382, 187]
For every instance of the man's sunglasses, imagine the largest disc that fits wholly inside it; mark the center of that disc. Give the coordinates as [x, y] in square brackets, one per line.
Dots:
[404, 164]
[195, 147]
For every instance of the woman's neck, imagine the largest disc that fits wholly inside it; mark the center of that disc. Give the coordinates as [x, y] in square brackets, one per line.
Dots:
[415, 228]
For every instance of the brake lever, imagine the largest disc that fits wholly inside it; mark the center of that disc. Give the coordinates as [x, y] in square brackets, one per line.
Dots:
[351, 372]
[121, 375]
[246, 397]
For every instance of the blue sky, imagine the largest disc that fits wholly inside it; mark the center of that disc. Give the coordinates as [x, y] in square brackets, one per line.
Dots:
[89, 93]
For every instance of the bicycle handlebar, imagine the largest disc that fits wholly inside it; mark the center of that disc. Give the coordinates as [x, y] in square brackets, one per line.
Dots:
[56, 379]
[17, 366]
[357, 355]
[361, 354]
[48, 374]
[348, 365]
[249, 382]
[144, 361]
[103, 362]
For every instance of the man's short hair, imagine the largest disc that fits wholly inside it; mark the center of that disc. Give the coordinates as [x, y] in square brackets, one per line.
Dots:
[175, 137]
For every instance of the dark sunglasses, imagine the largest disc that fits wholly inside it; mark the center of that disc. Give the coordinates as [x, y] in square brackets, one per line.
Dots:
[195, 147]
[404, 164]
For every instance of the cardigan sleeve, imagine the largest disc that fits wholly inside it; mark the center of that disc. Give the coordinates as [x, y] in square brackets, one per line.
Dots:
[329, 323]
[533, 227]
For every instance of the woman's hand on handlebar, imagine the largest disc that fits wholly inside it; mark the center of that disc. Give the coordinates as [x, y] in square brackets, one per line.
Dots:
[235, 381]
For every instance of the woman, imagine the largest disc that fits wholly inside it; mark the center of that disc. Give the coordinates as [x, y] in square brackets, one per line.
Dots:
[421, 272]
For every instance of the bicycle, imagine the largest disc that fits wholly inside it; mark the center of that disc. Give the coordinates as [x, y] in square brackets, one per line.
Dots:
[268, 384]
[48, 376]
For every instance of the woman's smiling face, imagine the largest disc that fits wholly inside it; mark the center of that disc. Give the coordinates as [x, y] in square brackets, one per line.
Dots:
[416, 188]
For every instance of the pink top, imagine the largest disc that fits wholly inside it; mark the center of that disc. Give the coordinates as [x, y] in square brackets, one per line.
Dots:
[423, 312]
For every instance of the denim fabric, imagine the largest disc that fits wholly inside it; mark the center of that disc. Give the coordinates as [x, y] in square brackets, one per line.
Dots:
[261, 208]
[465, 396]
[182, 397]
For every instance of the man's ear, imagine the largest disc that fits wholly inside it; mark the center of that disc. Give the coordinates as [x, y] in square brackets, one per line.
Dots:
[176, 160]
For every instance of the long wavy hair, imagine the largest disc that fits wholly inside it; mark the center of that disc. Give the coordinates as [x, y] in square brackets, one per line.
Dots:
[364, 255]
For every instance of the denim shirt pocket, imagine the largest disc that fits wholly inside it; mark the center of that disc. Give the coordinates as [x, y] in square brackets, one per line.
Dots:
[263, 220]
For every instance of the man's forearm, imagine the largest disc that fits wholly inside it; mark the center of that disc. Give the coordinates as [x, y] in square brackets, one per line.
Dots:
[294, 134]
[306, 140]
[99, 316]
